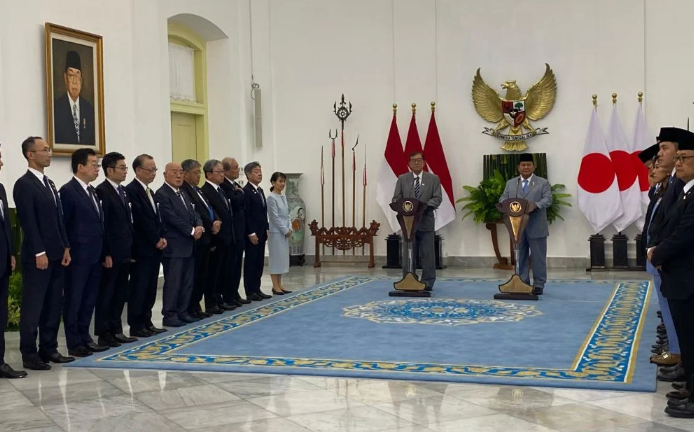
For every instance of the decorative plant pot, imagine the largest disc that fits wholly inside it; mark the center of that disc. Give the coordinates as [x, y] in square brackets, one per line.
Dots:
[297, 214]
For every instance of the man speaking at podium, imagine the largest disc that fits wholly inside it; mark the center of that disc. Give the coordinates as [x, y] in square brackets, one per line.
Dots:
[538, 193]
[426, 187]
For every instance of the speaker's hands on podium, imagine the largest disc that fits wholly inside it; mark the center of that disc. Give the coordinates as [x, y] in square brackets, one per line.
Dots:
[531, 207]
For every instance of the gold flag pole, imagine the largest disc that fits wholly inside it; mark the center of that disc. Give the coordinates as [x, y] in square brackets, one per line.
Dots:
[363, 197]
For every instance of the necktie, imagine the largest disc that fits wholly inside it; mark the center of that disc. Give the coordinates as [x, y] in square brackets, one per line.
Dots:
[224, 197]
[48, 186]
[180, 195]
[417, 190]
[262, 195]
[525, 186]
[76, 119]
[2, 210]
[121, 194]
[92, 195]
[202, 197]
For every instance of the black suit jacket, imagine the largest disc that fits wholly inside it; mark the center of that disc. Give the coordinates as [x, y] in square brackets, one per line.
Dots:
[238, 208]
[41, 218]
[179, 222]
[65, 124]
[222, 208]
[147, 225]
[83, 224]
[669, 198]
[118, 223]
[201, 208]
[675, 252]
[648, 222]
[6, 242]
[256, 213]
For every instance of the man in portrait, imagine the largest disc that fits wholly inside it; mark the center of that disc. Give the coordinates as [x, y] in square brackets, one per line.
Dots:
[74, 115]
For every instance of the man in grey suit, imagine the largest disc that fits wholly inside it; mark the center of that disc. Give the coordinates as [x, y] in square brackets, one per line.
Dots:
[425, 187]
[539, 195]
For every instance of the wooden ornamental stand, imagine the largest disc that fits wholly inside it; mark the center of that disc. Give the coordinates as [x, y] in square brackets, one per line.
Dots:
[344, 239]
[409, 213]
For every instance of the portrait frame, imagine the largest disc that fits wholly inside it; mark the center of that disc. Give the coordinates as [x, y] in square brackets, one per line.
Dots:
[74, 90]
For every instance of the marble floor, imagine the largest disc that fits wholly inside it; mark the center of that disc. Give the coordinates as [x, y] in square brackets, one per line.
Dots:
[118, 400]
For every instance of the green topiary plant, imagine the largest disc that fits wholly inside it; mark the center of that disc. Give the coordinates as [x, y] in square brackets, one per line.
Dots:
[481, 203]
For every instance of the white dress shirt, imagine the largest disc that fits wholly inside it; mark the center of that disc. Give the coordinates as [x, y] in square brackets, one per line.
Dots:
[151, 199]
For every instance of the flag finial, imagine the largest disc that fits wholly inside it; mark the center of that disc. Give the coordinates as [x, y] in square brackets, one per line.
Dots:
[414, 108]
[614, 98]
[640, 97]
[433, 106]
[395, 108]
[595, 101]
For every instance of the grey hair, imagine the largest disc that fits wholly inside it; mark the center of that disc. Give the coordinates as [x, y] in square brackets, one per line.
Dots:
[250, 167]
[189, 165]
[209, 166]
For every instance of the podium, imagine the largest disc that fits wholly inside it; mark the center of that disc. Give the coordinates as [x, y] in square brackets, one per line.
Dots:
[409, 212]
[515, 213]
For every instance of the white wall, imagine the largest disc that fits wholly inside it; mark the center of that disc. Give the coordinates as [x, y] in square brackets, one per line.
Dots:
[306, 53]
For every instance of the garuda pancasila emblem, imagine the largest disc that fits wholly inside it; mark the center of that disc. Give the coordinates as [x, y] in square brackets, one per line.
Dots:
[514, 110]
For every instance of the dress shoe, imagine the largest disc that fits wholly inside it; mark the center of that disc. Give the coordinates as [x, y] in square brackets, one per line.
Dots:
[56, 357]
[79, 351]
[277, 292]
[669, 368]
[227, 306]
[286, 291]
[141, 333]
[678, 385]
[677, 375]
[255, 297]
[187, 318]
[538, 290]
[678, 394]
[202, 315]
[428, 288]
[215, 310]
[120, 337]
[264, 296]
[108, 340]
[666, 359]
[36, 364]
[682, 411]
[243, 301]
[173, 323]
[7, 372]
[93, 347]
[660, 327]
[156, 330]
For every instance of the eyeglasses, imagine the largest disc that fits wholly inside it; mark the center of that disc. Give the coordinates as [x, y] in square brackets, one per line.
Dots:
[681, 159]
[46, 150]
[152, 170]
[122, 168]
[218, 171]
[176, 172]
[95, 165]
[419, 160]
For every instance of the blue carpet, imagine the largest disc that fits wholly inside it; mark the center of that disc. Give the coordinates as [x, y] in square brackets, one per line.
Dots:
[581, 334]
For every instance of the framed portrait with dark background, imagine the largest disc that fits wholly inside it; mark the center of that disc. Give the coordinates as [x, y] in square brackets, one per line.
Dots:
[74, 90]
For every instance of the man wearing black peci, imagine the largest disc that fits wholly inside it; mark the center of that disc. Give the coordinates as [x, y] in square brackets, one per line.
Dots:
[117, 249]
[257, 227]
[204, 279]
[236, 196]
[45, 254]
[148, 244]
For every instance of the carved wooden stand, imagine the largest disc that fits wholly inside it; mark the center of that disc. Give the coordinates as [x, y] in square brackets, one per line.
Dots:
[502, 262]
[344, 238]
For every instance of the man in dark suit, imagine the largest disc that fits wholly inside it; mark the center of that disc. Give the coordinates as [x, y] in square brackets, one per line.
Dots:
[148, 244]
[204, 279]
[117, 250]
[224, 297]
[182, 226]
[425, 187]
[673, 256]
[236, 196]
[74, 115]
[83, 218]
[45, 254]
[7, 266]
[257, 227]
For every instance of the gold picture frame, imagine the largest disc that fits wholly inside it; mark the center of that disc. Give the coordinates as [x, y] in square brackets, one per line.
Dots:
[74, 90]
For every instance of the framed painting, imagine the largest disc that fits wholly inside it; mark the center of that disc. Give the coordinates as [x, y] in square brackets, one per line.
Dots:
[74, 90]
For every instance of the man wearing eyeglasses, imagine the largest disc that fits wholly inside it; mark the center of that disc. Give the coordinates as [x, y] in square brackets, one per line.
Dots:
[673, 255]
[74, 115]
[83, 218]
[426, 187]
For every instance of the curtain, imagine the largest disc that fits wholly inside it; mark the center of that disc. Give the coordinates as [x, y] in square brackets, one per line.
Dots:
[181, 73]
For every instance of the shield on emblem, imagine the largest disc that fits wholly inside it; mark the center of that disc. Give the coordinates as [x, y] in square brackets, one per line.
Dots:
[514, 111]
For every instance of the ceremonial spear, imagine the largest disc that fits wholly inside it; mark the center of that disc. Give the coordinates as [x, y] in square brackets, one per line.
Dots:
[342, 113]
[330, 135]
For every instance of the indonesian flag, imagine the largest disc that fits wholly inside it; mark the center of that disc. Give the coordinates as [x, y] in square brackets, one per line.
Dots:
[598, 190]
[436, 159]
[413, 143]
[642, 140]
[393, 165]
[627, 176]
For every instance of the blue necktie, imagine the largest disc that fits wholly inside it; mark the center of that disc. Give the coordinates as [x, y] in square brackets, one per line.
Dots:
[417, 189]
[202, 197]
[525, 186]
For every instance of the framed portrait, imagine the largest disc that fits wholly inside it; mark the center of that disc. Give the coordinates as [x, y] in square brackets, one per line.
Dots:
[74, 90]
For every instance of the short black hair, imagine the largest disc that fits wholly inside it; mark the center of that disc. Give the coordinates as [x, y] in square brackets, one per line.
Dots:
[417, 153]
[189, 165]
[28, 145]
[110, 160]
[137, 163]
[80, 157]
[208, 168]
[250, 166]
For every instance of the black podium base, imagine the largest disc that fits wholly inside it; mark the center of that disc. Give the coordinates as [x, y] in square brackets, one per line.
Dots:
[515, 296]
[409, 293]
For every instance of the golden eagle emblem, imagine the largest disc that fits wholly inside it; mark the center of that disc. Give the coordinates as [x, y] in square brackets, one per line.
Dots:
[515, 207]
[514, 110]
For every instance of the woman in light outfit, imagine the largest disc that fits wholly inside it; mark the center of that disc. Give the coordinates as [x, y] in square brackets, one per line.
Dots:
[280, 231]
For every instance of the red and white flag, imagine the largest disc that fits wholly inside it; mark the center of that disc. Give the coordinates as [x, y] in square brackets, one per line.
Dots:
[598, 190]
[627, 176]
[436, 159]
[393, 165]
[642, 140]
[413, 143]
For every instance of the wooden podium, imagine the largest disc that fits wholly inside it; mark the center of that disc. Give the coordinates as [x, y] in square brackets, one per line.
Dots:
[515, 212]
[409, 212]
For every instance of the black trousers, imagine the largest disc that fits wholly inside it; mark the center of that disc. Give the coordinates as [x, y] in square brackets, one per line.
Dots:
[204, 281]
[111, 301]
[142, 291]
[179, 278]
[683, 317]
[42, 304]
[81, 292]
[218, 271]
[4, 295]
[422, 244]
[253, 266]
[235, 265]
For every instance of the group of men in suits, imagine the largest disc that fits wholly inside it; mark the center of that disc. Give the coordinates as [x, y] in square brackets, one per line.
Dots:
[669, 232]
[88, 250]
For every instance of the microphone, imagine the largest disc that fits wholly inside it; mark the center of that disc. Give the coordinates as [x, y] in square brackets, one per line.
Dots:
[517, 185]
